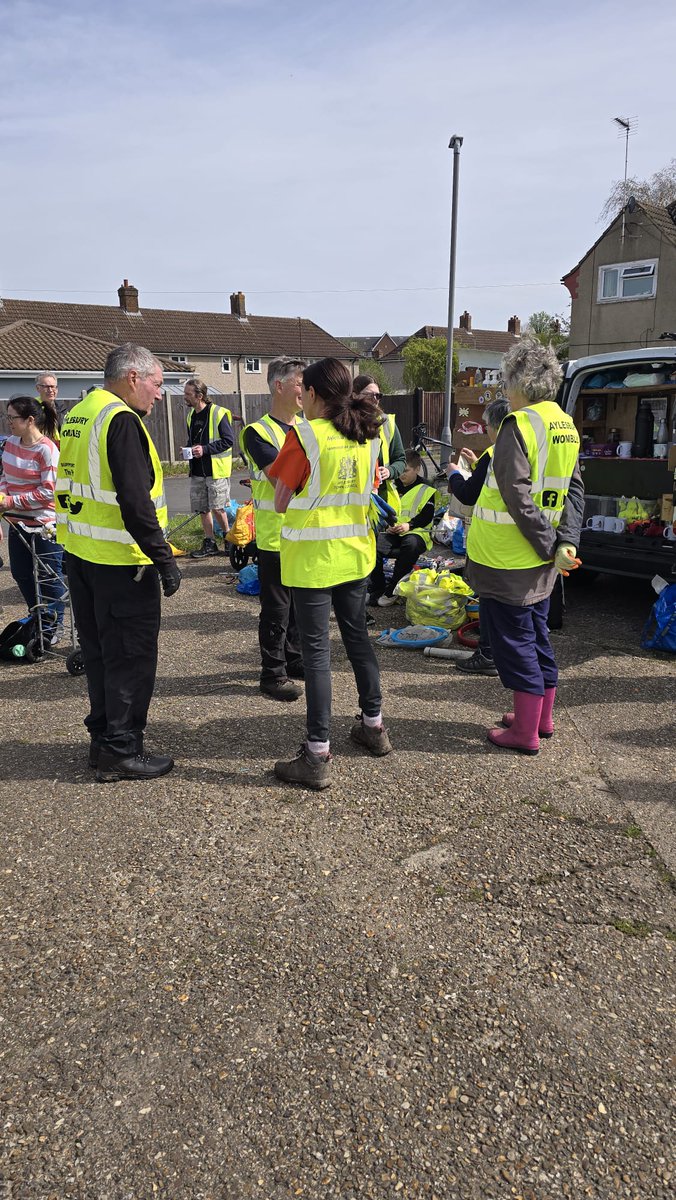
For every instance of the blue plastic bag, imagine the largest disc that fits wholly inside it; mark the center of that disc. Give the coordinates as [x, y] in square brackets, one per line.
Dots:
[248, 583]
[659, 632]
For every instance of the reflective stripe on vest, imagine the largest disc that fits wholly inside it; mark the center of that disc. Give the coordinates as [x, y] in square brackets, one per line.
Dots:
[221, 463]
[552, 445]
[412, 502]
[89, 521]
[326, 533]
[268, 522]
[386, 433]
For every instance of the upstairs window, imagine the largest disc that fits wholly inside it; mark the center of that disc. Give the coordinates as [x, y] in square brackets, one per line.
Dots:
[225, 363]
[182, 359]
[628, 281]
[252, 366]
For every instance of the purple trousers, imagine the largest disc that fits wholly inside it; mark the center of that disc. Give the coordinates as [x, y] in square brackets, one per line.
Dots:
[522, 651]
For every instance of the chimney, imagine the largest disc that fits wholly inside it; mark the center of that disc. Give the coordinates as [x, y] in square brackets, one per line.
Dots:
[238, 304]
[128, 295]
[466, 321]
[514, 326]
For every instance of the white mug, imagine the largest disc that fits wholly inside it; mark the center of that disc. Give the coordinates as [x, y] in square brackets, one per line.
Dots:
[624, 449]
[595, 522]
[669, 533]
[614, 524]
[186, 451]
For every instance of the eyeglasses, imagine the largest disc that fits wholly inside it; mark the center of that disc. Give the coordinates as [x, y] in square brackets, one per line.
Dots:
[372, 395]
[47, 387]
[15, 417]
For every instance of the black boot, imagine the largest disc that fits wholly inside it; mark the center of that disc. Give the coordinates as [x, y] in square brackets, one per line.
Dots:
[112, 767]
[206, 550]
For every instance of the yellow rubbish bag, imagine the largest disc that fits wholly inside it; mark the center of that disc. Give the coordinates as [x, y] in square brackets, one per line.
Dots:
[435, 598]
[243, 529]
[632, 510]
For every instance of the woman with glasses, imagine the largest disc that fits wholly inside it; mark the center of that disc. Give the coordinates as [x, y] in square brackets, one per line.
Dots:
[391, 462]
[29, 462]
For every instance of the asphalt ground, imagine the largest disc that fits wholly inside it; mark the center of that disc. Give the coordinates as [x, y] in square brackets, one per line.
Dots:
[451, 975]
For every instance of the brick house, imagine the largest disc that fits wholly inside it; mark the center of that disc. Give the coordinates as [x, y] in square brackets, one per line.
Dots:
[230, 351]
[476, 348]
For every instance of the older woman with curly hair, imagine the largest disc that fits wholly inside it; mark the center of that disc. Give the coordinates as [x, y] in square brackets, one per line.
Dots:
[525, 528]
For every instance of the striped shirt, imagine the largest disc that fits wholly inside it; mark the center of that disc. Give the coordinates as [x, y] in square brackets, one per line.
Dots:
[28, 478]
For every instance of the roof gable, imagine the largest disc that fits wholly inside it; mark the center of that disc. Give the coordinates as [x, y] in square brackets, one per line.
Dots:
[173, 331]
[35, 346]
[663, 218]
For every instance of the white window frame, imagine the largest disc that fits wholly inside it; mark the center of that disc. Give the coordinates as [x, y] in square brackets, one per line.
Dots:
[643, 268]
[180, 359]
[225, 358]
[252, 365]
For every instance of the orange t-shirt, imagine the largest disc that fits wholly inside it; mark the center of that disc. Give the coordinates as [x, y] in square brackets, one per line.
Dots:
[291, 464]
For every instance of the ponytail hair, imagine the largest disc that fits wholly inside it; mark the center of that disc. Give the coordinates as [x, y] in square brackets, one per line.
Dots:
[356, 417]
[43, 415]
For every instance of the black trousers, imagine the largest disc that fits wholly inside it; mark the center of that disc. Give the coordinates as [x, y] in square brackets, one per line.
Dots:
[313, 608]
[118, 622]
[277, 633]
[408, 546]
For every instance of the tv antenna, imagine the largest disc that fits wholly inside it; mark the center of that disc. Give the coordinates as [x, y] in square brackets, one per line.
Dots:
[626, 127]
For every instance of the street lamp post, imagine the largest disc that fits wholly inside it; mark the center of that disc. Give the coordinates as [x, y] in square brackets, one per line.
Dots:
[454, 145]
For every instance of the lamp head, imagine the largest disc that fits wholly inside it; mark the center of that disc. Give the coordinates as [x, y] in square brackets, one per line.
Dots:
[455, 142]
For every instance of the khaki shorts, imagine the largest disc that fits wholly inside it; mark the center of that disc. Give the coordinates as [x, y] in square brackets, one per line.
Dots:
[208, 495]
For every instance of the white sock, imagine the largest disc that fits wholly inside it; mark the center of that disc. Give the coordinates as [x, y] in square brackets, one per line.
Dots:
[318, 747]
[372, 722]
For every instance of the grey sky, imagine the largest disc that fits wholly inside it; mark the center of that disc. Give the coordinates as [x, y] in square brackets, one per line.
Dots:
[298, 151]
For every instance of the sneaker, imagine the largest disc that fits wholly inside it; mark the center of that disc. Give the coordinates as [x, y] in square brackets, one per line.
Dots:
[207, 550]
[53, 636]
[112, 767]
[373, 738]
[370, 620]
[306, 769]
[477, 664]
[385, 601]
[280, 689]
[373, 598]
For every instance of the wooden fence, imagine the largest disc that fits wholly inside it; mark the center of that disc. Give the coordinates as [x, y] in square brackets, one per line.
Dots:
[167, 422]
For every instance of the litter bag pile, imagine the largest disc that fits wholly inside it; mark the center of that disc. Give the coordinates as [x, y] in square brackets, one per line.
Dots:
[435, 598]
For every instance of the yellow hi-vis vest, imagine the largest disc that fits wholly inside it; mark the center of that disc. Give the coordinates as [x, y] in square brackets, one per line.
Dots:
[387, 490]
[88, 518]
[221, 463]
[268, 522]
[552, 444]
[411, 503]
[326, 532]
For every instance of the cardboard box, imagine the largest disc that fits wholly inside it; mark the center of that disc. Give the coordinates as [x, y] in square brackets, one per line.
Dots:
[667, 507]
[672, 458]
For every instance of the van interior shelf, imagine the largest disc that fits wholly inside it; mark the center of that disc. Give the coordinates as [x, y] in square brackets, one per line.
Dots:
[655, 389]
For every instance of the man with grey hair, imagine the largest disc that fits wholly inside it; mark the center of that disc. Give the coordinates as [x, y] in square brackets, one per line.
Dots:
[260, 443]
[47, 387]
[111, 512]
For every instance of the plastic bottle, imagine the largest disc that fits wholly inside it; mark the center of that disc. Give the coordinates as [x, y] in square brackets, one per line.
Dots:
[662, 440]
[18, 651]
[458, 540]
[643, 431]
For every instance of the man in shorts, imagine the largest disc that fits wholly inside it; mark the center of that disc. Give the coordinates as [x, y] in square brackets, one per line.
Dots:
[210, 441]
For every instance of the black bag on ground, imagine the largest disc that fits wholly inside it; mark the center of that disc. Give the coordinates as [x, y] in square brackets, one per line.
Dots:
[20, 641]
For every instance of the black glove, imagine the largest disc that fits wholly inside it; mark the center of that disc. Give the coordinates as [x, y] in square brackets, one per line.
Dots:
[171, 578]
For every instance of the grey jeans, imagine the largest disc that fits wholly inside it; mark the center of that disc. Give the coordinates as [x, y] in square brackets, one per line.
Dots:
[313, 609]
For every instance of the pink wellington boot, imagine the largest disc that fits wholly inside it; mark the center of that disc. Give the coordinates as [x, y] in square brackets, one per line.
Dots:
[523, 733]
[546, 729]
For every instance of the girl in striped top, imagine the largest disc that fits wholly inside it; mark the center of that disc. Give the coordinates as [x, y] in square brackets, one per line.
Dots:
[29, 462]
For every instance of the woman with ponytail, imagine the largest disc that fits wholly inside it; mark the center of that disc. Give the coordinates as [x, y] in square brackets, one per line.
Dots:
[325, 473]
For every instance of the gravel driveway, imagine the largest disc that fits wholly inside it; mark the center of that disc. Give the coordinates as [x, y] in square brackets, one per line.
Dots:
[449, 976]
